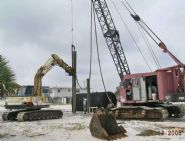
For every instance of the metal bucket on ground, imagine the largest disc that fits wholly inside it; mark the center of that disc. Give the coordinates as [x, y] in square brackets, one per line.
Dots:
[103, 125]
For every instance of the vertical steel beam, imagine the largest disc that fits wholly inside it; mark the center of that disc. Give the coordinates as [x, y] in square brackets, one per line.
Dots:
[88, 95]
[74, 54]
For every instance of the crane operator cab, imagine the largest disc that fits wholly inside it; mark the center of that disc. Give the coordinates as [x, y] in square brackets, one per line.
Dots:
[129, 92]
[154, 86]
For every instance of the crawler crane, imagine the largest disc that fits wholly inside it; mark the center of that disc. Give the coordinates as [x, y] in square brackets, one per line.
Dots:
[147, 92]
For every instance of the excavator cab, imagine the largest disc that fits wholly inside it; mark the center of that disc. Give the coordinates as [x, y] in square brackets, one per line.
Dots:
[103, 125]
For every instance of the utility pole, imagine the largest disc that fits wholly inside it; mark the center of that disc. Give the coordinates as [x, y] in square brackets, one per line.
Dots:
[74, 80]
[88, 95]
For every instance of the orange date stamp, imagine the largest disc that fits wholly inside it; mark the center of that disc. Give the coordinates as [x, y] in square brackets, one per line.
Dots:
[172, 132]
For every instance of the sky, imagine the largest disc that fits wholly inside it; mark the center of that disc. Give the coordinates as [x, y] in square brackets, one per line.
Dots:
[32, 30]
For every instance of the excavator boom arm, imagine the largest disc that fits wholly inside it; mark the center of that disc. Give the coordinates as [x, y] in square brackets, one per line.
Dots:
[50, 63]
[62, 64]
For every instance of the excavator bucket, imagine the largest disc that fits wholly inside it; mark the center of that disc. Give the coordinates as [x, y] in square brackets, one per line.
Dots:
[103, 125]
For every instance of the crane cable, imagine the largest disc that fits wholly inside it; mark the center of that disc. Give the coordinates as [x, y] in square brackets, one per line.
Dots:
[99, 61]
[72, 27]
[83, 88]
[144, 35]
[144, 24]
[90, 64]
[72, 40]
[131, 36]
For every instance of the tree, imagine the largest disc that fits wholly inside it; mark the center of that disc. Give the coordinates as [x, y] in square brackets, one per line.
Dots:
[7, 78]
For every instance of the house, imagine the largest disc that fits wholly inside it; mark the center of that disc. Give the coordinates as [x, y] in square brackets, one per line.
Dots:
[56, 94]
[63, 95]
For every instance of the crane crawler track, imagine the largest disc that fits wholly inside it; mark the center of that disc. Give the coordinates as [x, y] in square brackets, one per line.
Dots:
[174, 111]
[141, 113]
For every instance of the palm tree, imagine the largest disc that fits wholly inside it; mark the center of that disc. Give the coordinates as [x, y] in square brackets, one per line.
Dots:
[7, 78]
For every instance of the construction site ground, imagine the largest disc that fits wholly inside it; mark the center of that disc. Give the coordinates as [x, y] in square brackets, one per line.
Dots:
[75, 127]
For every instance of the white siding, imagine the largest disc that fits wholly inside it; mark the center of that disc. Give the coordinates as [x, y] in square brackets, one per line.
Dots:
[63, 91]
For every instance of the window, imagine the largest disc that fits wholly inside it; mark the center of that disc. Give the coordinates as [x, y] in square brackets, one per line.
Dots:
[77, 90]
[58, 90]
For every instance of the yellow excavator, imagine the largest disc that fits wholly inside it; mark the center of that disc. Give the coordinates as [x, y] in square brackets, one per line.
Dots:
[28, 108]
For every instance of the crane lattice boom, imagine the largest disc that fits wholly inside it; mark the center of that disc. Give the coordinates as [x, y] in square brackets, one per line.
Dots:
[111, 36]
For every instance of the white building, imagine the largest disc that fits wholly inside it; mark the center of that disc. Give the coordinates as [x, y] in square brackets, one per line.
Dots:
[64, 91]
[63, 95]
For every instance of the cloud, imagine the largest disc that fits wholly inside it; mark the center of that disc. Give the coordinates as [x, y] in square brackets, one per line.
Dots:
[30, 31]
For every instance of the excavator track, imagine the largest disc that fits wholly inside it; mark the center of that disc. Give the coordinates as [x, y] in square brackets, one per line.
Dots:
[39, 115]
[32, 115]
[11, 116]
[141, 113]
